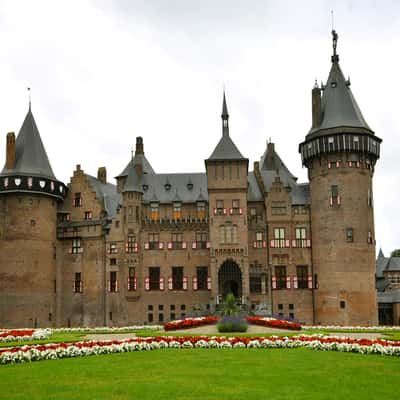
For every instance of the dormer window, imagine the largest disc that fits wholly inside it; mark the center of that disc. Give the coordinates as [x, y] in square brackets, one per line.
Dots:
[201, 210]
[333, 84]
[145, 188]
[177, 210]
[167, 186]
[154, 211]
[189, 186]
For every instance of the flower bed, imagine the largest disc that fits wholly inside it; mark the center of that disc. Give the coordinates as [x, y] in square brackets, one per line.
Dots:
[273, 323]
[352, 328]
[108, 329]
[190, 323]
[80, 349]
[14, 335]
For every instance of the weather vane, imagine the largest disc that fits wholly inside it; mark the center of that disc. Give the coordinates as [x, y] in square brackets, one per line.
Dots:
[335, 36]
[29, 90]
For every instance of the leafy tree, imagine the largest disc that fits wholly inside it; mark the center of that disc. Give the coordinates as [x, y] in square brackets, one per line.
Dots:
[395, 253]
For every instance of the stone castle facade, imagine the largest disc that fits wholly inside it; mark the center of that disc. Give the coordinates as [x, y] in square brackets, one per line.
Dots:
[156, 247]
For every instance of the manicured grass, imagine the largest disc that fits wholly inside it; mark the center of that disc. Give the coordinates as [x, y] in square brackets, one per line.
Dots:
[55, 338]
[206, 374]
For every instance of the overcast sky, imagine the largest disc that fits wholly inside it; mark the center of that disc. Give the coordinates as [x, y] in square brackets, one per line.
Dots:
[103, 72]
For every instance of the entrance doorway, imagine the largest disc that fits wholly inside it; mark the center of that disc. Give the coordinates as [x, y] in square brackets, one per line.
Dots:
[230, 279]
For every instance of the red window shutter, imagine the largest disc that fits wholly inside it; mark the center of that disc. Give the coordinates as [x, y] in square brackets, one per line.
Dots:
[295, 283]
[308, 243]
[147, 283]
[331, 201]
[224, 211]
[146, 246]
[194, 283]
[272, 243]
[310, 284]
[329, 165]
[194, 244]
[134, 283]
[109, 286]
[136, 249]
[184, 245]
[185, 283]
[209, 283]
[254, 244]
[116, 286]
[162, 287]
[126, 248]
[294, 243]
[230, 211]
[70, 250]
[208, 245]
[160, 245]
[129, 284]
[337, 164]
[215, 211]
[274, 282]
[288, 282]
[170, 283]
[169, 245]
[287, 243]
[264, 244]
[339, 200]
[240, 211]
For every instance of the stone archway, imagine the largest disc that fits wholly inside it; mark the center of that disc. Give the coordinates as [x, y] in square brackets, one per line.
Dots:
[230, 279]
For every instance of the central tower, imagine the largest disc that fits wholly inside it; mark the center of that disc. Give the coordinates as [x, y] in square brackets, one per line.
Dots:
[340, 152]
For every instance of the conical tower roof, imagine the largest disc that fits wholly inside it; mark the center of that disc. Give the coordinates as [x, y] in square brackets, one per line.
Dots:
[339, 108]
[132, 183]
[30, 154]
[225, 149]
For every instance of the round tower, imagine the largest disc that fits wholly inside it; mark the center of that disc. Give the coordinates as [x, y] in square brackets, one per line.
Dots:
[29, 197]
[340, 152]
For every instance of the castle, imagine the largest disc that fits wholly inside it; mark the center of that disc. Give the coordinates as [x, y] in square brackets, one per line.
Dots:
[156, 247]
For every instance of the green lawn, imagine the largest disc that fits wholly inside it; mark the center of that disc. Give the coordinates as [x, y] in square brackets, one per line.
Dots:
[206, 374]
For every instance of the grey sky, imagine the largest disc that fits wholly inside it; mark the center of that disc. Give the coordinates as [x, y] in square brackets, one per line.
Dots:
[103, 72]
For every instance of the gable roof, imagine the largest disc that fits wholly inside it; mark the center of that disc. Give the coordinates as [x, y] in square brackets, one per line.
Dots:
[30, 154]
[226, 150]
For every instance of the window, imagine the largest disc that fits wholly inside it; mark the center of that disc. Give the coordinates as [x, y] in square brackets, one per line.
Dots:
[172, 316]
[65, 217]
[131, 245]
[150, 317]
[278, 208]
[160, 307]
[113, 284]
[183, 307]
[302, 276]
[131, 279]
[291, 306]
[253, 211]
[255, 284]
[150, 307]
[78, 283]
[76, 246]
[394, 279]
[301, 237]
[33, 222]
[201, 240]
[201, 210]
[222, 234]
[236, 207]
[369, 198]
[335, 198]
[113, 261]
[349, 234]
[117, 224]
[154, 275]
[176, 239]
[113, 248]
[228, 234]
[334, 164]
[259, 240]
[88, 215]
[202, 276]
[279, 236]
[370, 239]
[342, 304]
[220, 207]
[177, 208]
[77, 202]
[155, 211]
[153, 241]
[177, 278]
[280, 273]
[280, 306]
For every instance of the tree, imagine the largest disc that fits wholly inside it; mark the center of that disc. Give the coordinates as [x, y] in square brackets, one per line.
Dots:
[395, 253]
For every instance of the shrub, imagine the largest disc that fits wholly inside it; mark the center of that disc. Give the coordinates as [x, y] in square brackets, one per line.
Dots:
[232, 324]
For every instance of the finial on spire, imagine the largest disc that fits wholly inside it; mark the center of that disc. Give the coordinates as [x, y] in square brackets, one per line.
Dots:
[29, 91]
[335, 36]
[225, 117]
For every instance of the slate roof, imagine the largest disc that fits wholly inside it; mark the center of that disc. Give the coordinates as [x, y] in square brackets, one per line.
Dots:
[381, 264]
[226, 150]
[339, 107]
[394, 264]
[390, 296]
[107, 193]
[133, 182]
[31, 157]
[138, 159]
[272, 166]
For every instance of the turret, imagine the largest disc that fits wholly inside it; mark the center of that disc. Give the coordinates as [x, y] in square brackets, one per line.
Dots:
[29, 197]
[340, 152]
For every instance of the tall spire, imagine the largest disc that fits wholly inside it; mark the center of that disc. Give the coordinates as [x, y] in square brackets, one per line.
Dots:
[225, 118]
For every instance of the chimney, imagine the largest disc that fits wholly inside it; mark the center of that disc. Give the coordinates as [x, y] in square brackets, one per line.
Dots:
[139, 145]
[316, 106]
[270, 159]
[10, 150]
[102, 175]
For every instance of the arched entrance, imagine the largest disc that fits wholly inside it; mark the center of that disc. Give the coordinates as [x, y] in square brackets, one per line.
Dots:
[230, 279]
